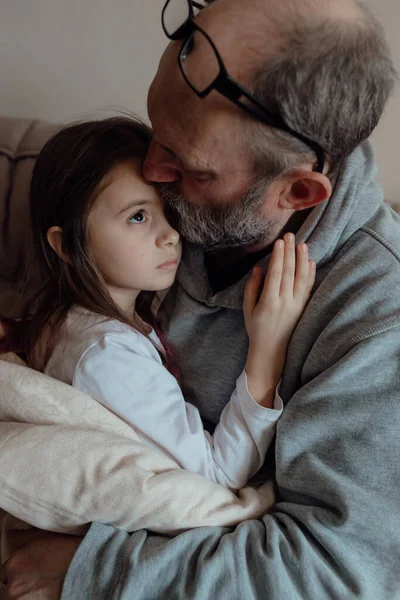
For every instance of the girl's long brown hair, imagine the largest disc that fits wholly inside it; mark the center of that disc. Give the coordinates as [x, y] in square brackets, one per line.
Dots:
[68, 174]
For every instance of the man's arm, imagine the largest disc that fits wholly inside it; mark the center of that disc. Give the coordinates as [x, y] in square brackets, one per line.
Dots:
[333, 535]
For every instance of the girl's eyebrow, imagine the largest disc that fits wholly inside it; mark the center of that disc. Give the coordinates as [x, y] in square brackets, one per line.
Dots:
[133, 204]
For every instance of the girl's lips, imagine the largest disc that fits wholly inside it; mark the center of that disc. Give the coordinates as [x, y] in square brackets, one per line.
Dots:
[171, 264]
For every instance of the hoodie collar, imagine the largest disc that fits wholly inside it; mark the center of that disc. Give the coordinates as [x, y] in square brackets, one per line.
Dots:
[355, 199]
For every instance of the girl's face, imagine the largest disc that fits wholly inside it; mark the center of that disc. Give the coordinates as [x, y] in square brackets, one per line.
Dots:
[130, 240]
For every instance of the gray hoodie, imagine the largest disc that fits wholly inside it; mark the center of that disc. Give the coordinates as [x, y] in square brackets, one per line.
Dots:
[334, 532]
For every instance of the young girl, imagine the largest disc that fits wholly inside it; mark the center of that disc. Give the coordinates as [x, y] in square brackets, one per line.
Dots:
[102, 239]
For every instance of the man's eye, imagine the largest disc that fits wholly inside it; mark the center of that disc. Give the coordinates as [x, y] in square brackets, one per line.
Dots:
[201, 177]
[138, 217]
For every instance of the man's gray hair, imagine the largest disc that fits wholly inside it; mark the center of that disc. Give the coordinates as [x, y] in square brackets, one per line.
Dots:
[330, 83]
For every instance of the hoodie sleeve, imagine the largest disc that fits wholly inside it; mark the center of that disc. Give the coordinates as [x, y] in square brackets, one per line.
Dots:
[334, 532]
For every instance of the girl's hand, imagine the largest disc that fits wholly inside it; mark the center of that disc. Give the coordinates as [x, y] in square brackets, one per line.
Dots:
[272, 316]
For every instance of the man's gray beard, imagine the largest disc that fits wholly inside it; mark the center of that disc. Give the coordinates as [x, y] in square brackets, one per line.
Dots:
[214, 226]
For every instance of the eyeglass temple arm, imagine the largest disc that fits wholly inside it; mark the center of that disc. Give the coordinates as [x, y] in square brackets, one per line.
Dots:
[197, 5]
[233, 90]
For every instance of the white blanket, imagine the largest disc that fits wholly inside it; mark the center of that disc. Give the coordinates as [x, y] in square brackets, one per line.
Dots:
[67, 461]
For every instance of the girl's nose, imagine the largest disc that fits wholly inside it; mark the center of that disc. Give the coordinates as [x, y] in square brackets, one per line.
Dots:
[170, 237]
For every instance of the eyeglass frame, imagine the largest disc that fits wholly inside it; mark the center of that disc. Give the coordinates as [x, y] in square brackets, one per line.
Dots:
[229, 87]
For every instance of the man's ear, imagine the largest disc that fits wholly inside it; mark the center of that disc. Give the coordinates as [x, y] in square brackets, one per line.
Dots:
[305, 189]
[54, 237]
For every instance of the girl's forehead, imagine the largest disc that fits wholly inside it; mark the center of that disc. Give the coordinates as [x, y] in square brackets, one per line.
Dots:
[125, 184]
[127, 170]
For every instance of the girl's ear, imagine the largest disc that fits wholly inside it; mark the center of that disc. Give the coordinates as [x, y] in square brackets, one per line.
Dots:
[54, 237]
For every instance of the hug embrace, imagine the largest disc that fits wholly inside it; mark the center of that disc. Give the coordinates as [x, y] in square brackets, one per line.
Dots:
[212, 352]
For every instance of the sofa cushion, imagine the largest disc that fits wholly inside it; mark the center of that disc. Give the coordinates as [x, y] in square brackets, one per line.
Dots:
[20, 142]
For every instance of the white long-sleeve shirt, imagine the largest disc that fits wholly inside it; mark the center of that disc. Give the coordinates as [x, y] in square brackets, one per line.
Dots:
[122, 370]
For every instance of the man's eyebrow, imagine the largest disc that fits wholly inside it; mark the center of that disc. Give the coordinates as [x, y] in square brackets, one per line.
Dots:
[133, 204]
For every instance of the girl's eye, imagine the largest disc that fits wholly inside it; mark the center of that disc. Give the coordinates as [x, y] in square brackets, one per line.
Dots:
[139, 217]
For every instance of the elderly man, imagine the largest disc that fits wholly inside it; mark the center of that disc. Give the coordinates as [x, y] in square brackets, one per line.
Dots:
[260, 113]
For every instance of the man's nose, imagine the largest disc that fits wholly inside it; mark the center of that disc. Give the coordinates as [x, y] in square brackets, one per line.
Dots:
[160, 165]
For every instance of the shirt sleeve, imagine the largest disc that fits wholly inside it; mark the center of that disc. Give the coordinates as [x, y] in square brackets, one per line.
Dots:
[134, 384]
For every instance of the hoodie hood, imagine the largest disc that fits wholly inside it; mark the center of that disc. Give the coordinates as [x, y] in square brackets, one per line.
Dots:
[355, 199]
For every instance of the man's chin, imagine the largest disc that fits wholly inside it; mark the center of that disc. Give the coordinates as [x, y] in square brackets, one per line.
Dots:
[211, 245]
[218, 228]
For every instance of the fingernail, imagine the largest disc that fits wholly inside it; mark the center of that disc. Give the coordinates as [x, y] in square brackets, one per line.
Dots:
[280, 243]
[290, 237]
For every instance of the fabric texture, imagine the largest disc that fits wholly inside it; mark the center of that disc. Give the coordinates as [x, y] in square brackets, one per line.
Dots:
[68, 461]
[122, 370]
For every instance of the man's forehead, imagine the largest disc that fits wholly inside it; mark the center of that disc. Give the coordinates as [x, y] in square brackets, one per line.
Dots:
[181, 123]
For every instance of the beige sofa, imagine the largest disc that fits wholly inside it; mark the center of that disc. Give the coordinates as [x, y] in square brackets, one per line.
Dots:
[20, 143]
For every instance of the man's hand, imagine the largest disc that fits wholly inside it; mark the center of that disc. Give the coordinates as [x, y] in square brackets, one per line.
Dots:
[38, 565]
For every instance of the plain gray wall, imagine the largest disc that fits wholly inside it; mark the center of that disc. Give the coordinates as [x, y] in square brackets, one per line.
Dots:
[63, 59]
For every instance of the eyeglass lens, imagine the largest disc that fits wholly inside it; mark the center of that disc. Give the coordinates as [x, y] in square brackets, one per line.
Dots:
[199, 62]
[176, 13]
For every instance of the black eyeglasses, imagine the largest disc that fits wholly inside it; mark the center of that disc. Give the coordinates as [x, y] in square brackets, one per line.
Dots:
[178, 24]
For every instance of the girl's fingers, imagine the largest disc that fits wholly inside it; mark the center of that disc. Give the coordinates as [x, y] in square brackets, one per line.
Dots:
[290, 273]
[251, 292]
[289, 265]
[273, 277]
[311, 276]
[302, 271]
